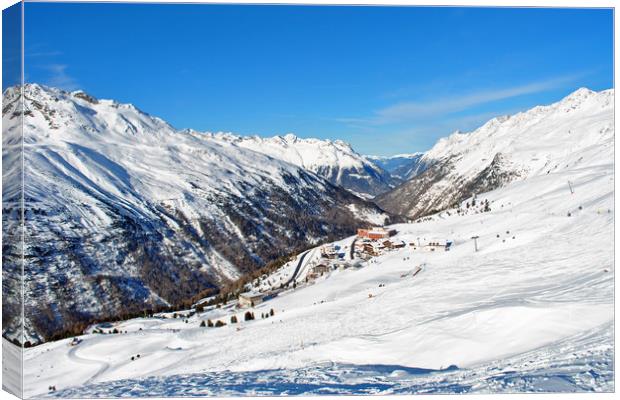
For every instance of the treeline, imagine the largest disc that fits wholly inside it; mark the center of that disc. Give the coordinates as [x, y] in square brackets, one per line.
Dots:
[73, 327]
[231, 291]
[248, 316]
[76, 325]
[182, 286]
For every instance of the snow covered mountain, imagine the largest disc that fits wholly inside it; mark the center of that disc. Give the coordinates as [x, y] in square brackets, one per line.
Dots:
[401, 166]
[542, 140]
[334, 160]
[530, 309]
[125, 212]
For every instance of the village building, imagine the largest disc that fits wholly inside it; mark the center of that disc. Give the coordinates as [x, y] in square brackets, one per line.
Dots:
[433, 245]
[329, 251]
[376, 233]
[250, 299]
[359, 246]
[398, 245]
[320, 269]
[370, 249]
[271, 294]
[311, 276]
[438, 245]
[393, 244]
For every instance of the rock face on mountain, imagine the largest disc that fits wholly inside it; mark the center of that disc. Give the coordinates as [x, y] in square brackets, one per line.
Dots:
[541, 140]
[402, 167]
[123, 212]
[334, 160]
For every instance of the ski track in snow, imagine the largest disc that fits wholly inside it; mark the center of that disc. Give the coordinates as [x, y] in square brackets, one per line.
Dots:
[103, 366]
[576, 364]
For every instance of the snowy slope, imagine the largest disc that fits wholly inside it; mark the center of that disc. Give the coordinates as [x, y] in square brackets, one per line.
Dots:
[401, 166]
[542, 140]
[532, 310]
[334, 160]
[124, 212]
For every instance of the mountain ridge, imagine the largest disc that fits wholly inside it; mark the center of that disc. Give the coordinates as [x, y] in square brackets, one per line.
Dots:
[401, 166]
[123, 212]
[502, 150]
[335, 160]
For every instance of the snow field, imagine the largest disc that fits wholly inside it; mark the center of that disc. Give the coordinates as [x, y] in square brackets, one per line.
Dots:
[552, 282]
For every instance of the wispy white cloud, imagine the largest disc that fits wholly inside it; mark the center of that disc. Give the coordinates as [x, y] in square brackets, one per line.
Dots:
[60, 78]
[35, 54]
[414, 110]
[401, 138]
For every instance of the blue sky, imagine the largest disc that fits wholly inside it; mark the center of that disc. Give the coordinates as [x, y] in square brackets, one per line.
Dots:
[11, 46]
[386, 79]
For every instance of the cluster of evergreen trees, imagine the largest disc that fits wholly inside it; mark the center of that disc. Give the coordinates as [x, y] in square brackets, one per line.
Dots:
[248, 316]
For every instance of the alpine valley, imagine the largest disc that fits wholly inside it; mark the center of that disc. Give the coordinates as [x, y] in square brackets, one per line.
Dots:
[494, 271]
[123, 212]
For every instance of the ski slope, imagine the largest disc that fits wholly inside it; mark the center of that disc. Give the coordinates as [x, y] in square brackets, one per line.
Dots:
[532, 310]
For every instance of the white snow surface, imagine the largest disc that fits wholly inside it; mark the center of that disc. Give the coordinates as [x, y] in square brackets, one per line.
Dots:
[374, 217]
[578, 129]
[333, 159]
[404, 155]
[534, 141]
[104, 149]
[401, 166]
[146, 145]
[89, 163]
[532, 310]
[309, 153]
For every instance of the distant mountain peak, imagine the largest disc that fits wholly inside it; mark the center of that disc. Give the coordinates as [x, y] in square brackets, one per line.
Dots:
[401, 166]
[402, 155]
[290, 137]
[580, 93]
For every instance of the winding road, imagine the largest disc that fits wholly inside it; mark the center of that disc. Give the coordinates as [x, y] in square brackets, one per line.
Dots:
[297, 268]
[103, 366]
[353, 248]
